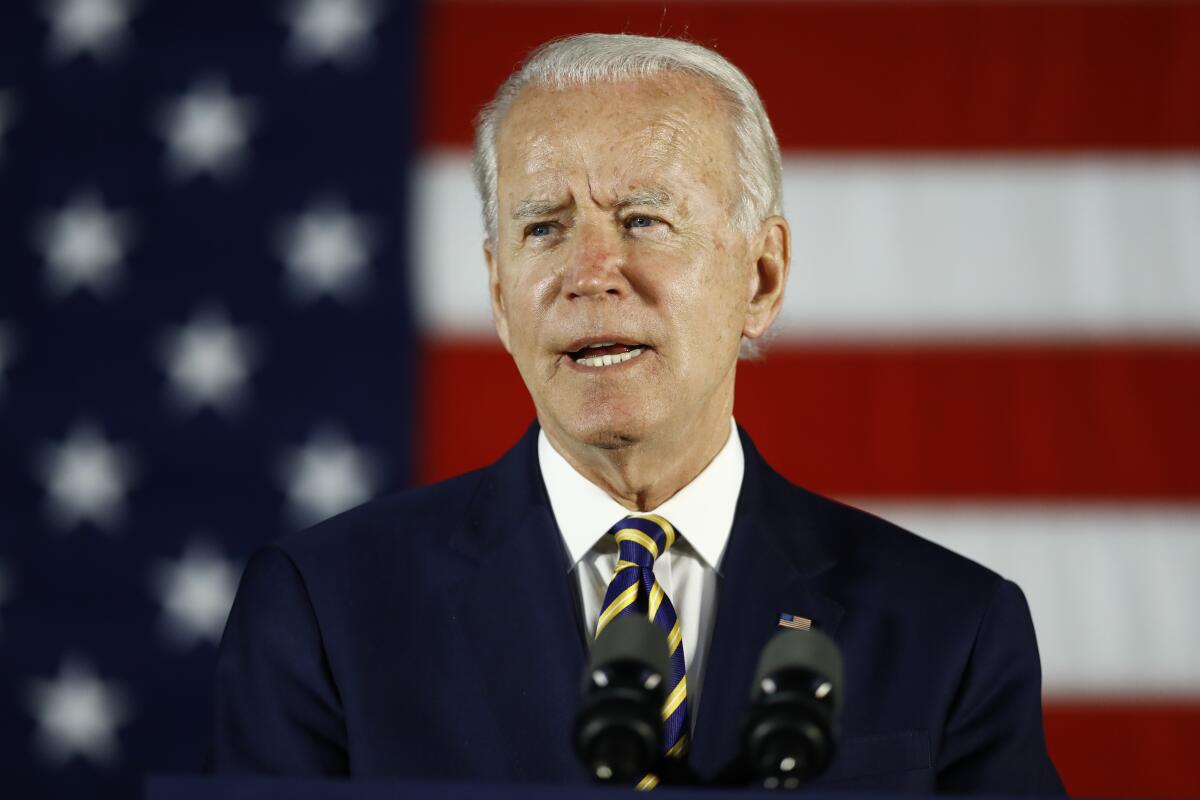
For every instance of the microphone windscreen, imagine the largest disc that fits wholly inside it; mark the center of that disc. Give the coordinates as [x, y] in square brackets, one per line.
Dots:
[632, 637]
[808, 650]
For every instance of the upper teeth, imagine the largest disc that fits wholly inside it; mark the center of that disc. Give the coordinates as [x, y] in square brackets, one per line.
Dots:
[602, 344]
[609, 360]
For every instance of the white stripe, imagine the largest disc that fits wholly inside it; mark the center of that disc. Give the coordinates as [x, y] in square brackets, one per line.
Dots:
[1054, 246]
[1114, 589]
[1027, 247]
[447, 240]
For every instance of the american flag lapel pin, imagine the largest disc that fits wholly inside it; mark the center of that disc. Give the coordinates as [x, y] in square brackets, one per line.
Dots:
[793, 621]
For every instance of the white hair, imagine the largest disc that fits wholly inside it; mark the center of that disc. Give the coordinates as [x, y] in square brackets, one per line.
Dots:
[600, 57]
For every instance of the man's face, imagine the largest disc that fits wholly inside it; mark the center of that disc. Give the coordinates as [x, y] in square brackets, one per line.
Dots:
[619, 283]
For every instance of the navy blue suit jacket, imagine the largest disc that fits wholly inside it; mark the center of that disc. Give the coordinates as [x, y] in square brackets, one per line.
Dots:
[435, 634]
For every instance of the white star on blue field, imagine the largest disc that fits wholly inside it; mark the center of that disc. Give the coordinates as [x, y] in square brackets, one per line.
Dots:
[207, 130]
[83, 244]
[208, 362]
[195, 592]
[86, 477]
[78, 715]
[98, 28]
[327, 251]
[326, 475]
[339, 31]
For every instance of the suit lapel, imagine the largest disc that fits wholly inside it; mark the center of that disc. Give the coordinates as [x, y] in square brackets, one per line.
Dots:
[517, 608]
[772, 564]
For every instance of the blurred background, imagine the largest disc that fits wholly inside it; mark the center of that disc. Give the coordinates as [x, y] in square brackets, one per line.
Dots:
[241, 289]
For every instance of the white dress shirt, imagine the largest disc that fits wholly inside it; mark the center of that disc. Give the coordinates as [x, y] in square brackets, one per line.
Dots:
[702, 515]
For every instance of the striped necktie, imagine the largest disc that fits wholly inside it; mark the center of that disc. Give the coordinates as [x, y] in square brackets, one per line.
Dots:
[642, 538]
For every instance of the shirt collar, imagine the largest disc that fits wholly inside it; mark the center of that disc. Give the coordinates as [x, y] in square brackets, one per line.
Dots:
[702, 512]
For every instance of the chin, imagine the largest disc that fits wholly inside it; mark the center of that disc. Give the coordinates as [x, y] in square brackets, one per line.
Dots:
[607, 434]
[612, 440]
[607, 428]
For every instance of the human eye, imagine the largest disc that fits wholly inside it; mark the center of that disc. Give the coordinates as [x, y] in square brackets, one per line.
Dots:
[539, 230]
[640, 221]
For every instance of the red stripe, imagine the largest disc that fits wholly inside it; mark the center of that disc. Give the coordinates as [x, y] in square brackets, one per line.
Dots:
[1126, 749]
[1099, 421]
[870, 76]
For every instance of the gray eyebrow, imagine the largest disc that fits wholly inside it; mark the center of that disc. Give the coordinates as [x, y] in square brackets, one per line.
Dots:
[653, 197]
[531, 209]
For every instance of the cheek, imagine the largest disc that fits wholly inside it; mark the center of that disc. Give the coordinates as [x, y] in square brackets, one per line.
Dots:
[729, 294]
[712, 304]
[705, 331]
[529, 295]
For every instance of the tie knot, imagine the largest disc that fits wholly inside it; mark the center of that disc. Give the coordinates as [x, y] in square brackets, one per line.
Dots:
[642, 538]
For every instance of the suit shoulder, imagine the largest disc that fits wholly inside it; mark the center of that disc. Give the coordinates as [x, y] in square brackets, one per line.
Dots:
[891, 556]
[424, 512]
[867, 548]
[905, 549]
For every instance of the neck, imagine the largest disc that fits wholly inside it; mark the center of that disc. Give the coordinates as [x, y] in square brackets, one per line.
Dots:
[643, 475]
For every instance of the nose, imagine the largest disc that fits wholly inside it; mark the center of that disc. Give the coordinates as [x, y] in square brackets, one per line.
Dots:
[597, 263]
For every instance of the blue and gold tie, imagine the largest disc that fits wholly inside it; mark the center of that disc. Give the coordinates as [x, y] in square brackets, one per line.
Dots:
[642, 538]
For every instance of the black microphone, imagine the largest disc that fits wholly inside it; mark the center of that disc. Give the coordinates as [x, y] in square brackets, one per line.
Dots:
[618, 729]
[791, 726]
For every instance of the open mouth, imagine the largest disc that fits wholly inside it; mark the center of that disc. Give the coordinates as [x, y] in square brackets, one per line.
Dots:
[606, 354]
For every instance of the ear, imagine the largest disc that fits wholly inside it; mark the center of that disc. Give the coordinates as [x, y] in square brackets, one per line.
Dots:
[772, 254]
[499, 313]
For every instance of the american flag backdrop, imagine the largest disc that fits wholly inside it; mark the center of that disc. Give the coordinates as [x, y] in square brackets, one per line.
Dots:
[242, 288]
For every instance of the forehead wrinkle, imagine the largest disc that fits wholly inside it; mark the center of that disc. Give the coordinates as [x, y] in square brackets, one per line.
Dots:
[539, 151]
[650, 144]
[654, 148]
[666, 138]
[535, 162]
[663, 146]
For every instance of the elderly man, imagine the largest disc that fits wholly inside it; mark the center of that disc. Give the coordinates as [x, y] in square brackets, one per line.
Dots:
[631, 191]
